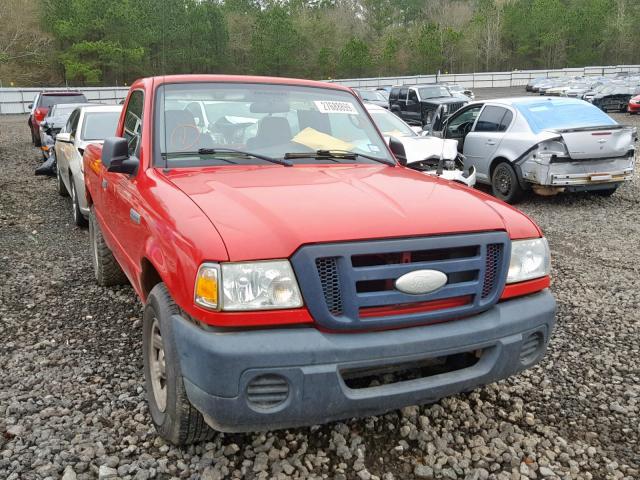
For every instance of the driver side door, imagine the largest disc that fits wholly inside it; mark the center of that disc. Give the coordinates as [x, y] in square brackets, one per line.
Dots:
[458, 126]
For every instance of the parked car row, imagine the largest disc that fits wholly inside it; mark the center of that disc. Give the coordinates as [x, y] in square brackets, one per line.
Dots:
[620, 93]
[63, 133]
[545, 145]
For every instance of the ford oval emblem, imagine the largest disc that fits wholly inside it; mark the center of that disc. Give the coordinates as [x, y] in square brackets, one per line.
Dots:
[420, 282]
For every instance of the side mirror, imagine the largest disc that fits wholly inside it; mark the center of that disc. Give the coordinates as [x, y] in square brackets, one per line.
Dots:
[30, 106]
[63, 137]
[397, 148]
[115, 156]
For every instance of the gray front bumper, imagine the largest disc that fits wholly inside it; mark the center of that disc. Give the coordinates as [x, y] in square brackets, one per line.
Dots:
[218, 366]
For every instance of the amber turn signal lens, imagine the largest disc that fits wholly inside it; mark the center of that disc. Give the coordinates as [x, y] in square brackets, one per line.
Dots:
[206, 289]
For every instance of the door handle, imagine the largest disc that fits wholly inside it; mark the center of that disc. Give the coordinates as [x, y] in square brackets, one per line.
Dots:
[104, 183]
[491, 142]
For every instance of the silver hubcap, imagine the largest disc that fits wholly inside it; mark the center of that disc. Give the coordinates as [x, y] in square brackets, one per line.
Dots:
[158, 367]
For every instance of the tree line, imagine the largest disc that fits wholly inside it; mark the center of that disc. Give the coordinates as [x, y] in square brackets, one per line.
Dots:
[112, 42]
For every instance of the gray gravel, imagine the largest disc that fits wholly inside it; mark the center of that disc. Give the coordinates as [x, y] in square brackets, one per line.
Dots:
[72, 403]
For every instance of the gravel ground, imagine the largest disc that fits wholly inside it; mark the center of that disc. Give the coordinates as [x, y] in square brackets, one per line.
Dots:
[72, 402]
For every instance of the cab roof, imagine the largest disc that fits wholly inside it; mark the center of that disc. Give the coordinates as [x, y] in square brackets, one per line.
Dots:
[163, 79]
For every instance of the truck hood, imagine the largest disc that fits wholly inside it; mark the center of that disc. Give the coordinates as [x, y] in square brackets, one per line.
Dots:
[268, 212]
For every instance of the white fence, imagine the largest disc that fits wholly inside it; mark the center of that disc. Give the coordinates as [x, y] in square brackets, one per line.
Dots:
[489, 79]
[17, 100]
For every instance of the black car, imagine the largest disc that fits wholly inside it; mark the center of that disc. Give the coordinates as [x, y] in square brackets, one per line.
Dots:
[417, 104]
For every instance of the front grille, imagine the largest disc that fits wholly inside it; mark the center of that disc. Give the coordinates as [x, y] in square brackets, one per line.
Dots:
[453, 107]
[352, 285]
[492, 268]
[328, 273]
[267, 391]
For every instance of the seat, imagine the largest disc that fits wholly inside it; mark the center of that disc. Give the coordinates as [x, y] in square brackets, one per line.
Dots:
[271, 131]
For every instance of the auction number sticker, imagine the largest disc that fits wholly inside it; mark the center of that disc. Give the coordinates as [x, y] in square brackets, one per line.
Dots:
[332, 106]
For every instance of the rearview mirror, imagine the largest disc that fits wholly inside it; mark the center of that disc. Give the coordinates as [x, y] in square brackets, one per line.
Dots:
[115, 156]
[63, 137]
[397, 148]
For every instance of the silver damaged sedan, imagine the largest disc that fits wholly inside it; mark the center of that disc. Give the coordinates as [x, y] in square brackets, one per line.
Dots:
[548, 145]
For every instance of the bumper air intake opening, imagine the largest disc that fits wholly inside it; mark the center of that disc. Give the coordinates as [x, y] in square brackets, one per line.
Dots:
[532, 348]
[267, 391]
[369, 377]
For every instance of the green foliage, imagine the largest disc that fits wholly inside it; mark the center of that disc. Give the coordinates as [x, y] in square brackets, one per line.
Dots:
[274, 42]
[355, 58]
[116, 41]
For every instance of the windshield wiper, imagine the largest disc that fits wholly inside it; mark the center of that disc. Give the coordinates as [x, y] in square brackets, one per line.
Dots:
[214, 151]
[193, 153]
[333, 154]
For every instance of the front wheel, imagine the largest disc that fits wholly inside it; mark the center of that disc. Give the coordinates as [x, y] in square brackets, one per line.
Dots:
[505, 185]
[60, 187]
[78, 217]
[173, 416]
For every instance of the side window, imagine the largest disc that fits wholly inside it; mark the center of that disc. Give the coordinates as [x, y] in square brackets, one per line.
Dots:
[133, 121]
[403, 93]
[72, 123]
[506, 121]
[413, 95]
[393, 96]
[465, 118]
[490, 119]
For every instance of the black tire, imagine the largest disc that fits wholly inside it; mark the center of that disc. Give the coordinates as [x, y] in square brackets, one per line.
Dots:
[505, 185]
[78, 218]
[60, 187]
[106, 269]
[607, 192]
[173, 416]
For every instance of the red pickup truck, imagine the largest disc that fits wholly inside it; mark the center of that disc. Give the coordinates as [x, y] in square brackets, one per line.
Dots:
[293, 271]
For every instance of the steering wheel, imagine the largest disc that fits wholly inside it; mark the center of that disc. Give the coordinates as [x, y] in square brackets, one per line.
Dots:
[180, 136]
[465, 128]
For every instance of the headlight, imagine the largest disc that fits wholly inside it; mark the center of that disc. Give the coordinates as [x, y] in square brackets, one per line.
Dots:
[529, 259]
[263, 285]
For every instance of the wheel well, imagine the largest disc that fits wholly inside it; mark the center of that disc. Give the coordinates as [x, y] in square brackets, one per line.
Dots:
[494, 164]
[149, 277]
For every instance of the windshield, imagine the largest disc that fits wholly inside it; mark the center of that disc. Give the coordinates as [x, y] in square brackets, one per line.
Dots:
[197, 121]
[370, 95]
[100, 125]
[390, 125]
[433, 92]
[49, 100]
